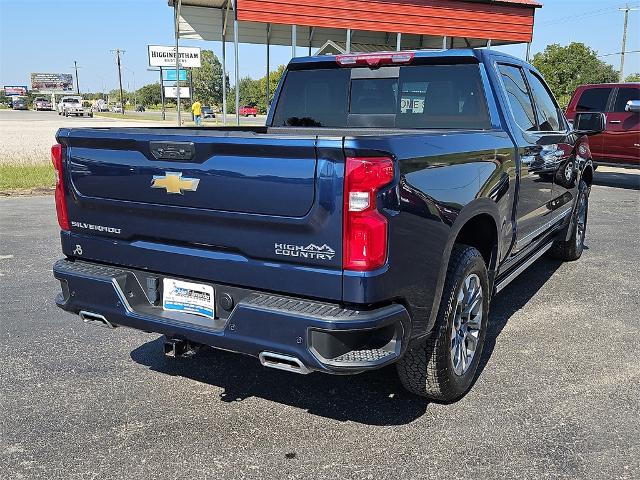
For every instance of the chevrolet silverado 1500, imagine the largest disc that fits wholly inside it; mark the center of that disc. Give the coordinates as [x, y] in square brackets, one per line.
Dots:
[387, 199]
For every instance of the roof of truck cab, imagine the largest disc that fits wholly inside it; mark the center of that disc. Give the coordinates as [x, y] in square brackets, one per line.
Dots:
[470, 53]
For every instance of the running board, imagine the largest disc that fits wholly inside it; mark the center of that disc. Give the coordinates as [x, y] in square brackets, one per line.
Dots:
[509, 278]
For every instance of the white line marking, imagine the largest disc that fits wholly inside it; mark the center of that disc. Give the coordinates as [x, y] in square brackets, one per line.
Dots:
[5, 257]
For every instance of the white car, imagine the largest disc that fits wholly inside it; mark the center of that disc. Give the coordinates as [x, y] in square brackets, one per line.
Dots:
[73, 106]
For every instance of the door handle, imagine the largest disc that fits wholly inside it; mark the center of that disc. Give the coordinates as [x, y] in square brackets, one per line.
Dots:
[615, 121]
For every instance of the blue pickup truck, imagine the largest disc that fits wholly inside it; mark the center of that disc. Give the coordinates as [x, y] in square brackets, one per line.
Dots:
[370, 222]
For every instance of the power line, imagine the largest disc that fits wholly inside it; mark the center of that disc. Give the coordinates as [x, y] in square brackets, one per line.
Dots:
[589, 14]
[618, 53]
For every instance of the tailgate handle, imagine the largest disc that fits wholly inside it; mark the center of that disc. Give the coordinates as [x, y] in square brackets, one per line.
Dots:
[178, 151]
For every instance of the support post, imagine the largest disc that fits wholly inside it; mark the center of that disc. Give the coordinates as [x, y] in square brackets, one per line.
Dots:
[267, 92]
[294, 40]
[528, 57]
[311, 32]
[348, 40]
[445, 43]
[236, 63]
[177, 6]
[489, 44]
[398, 41]
[164, 115]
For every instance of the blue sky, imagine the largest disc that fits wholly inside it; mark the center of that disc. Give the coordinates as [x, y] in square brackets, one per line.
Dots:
[48, 35]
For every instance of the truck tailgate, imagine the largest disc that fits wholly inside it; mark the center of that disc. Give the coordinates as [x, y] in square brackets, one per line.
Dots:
[270, 199]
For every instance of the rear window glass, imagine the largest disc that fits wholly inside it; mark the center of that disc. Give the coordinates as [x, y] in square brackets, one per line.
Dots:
[417, 96]
[593, 100]
[624, 95]
[71, 100]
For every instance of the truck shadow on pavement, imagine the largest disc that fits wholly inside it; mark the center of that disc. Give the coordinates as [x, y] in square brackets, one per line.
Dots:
[620, 179]
[372, 398]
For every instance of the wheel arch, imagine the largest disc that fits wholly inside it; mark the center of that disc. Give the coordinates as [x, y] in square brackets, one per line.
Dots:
[481, 215]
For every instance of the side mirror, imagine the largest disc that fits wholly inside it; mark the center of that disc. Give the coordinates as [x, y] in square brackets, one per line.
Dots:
[633, 106]
[589, 123]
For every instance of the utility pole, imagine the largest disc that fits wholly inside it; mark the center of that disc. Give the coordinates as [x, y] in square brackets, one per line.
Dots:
[176, 12]
[75, 65]
[626, 11]
[118, 52]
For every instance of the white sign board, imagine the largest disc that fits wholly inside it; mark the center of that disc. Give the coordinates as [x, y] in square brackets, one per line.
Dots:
[170, 92]
[159, 56]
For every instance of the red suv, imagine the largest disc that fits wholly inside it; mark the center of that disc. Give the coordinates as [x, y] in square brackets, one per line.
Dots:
[620, 142]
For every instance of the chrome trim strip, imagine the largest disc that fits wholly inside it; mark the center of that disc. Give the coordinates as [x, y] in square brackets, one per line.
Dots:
[523, 267]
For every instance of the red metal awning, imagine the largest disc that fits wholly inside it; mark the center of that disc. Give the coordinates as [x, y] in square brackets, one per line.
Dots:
[511, 21]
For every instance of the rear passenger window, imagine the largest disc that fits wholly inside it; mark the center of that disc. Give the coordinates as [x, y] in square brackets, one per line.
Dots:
[624, 95]
[546, 108]
[518, 95]
[593, 100]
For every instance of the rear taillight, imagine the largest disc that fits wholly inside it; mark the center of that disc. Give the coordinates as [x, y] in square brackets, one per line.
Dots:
[61, 203]
[365, 229]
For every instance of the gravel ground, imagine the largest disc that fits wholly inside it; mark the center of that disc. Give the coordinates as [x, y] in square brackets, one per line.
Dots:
[38, 129]
[557, 396]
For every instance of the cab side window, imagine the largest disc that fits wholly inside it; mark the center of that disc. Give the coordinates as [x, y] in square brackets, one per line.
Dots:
[593, 100]
[518, 96]
[624, 95]
[547, 111]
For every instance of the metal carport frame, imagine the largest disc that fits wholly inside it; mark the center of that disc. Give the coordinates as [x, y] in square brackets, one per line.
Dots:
[407, 24]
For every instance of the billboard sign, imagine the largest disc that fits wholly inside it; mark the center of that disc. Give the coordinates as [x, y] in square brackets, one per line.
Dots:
[52, 82]
[15, 90]
[170, 75]
[170, 92]
[159, 56]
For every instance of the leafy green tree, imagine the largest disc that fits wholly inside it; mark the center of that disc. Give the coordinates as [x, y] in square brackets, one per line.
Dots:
[149, 94]
[634, 77]
[250, 93]
[207, 80]
[566, 68]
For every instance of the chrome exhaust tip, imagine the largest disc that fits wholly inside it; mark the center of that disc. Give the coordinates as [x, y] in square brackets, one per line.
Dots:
[283, 362]
[95, 319]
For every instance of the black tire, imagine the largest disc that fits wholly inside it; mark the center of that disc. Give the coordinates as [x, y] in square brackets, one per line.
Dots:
[572, 249]
[427, 368]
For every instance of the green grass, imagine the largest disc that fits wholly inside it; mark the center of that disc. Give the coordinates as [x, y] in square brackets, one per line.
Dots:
[26, 177]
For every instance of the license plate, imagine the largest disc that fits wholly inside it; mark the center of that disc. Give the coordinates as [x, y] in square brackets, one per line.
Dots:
[188, 297]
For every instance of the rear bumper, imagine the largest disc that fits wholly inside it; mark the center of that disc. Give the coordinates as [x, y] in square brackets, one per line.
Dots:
[321, 336]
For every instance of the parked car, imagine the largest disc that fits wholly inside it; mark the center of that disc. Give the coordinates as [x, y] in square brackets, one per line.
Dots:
[74, 106]
[41, 103]
[19, 104]
[140, 108]
[207, 112]
[101, 106]
[248, 110]
[620, 142]
[388, 199]
[117, 108]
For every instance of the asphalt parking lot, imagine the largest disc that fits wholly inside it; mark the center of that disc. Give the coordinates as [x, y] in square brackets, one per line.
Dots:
[557, 396]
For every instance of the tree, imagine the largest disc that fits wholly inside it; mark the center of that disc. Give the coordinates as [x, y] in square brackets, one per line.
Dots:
[149, 94]
[634, 77]
[250, 93]
[566, 68]
[207, 80]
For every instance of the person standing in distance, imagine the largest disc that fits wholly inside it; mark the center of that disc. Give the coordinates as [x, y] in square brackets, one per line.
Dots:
[196, 109]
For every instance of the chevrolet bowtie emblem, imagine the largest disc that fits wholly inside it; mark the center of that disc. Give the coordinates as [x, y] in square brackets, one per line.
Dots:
[173, 182]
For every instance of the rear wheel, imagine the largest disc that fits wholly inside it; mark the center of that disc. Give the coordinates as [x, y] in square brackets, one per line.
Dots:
[571, 249]
[443, 366]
